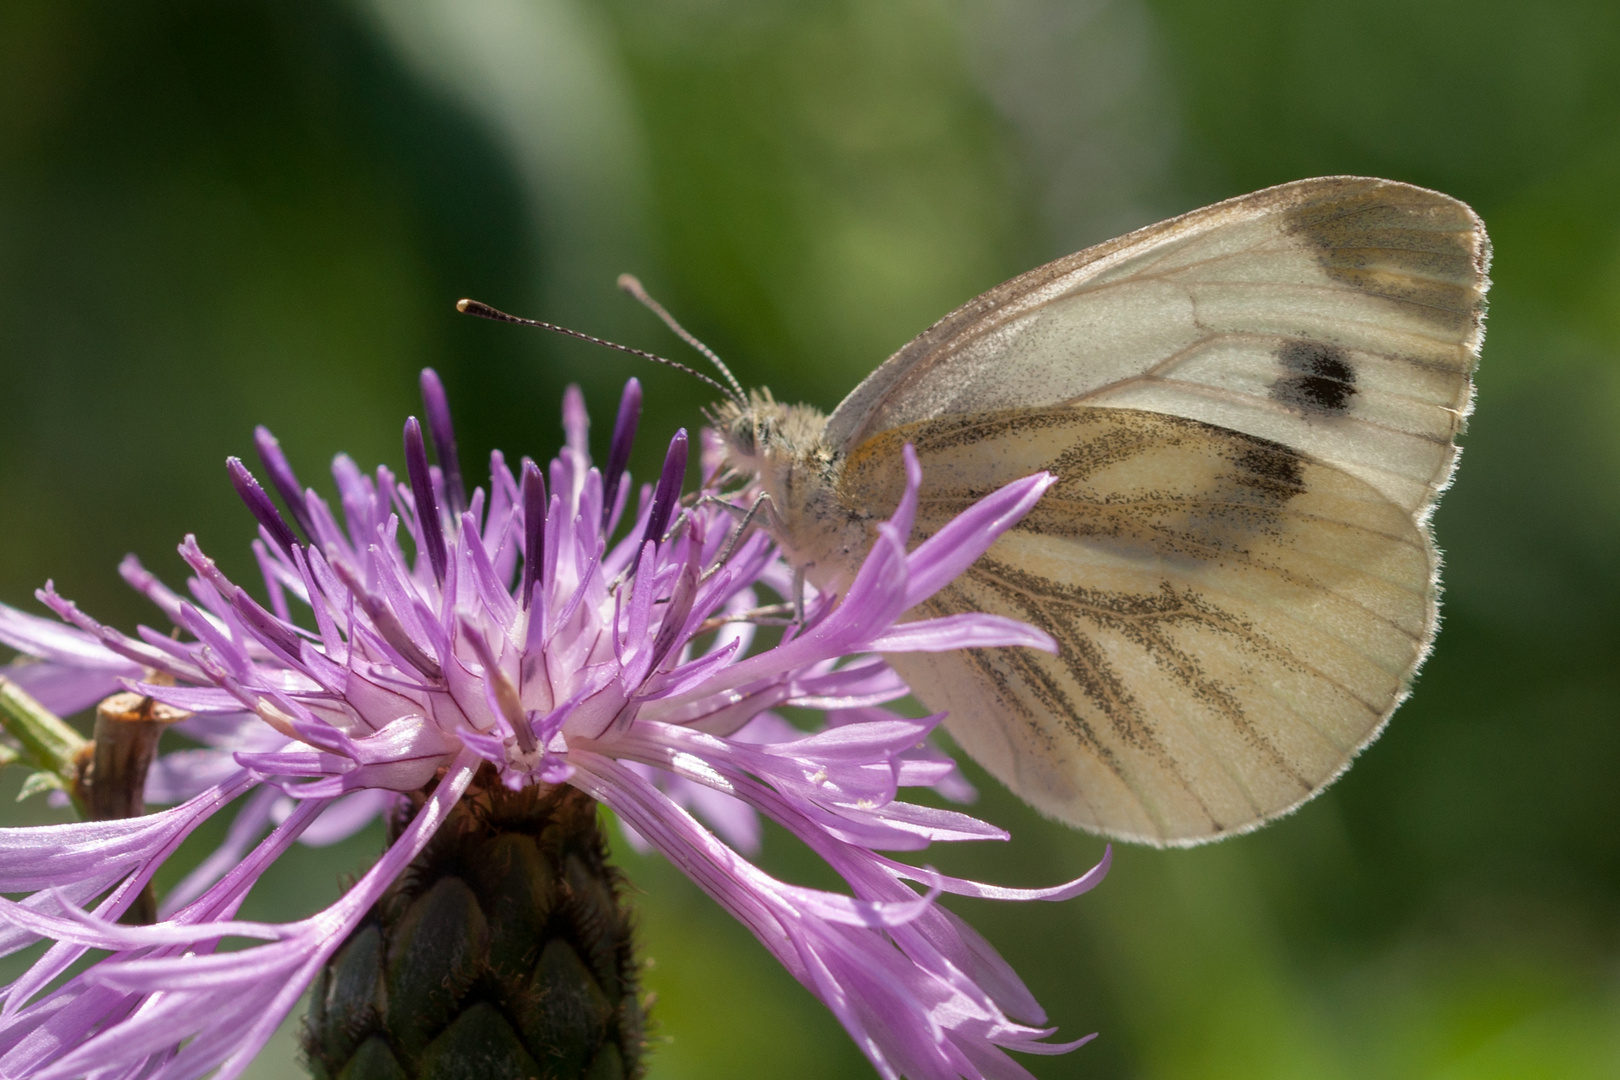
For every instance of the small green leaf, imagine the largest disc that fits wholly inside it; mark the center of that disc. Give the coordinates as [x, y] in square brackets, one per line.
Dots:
[38, 782]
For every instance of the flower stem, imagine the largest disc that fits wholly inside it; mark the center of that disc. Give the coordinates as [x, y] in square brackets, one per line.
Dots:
[127, 731]
[45, 743]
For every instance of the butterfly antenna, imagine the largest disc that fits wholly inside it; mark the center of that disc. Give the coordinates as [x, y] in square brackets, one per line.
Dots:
[484, 311]
[632, 285]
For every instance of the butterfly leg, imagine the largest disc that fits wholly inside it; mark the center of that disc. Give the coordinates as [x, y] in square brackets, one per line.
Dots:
[744, 523]
[762, 506]
[769, 615]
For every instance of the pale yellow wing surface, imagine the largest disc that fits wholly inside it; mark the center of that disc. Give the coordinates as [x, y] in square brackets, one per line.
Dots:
[1235, 618]
[1341, 316]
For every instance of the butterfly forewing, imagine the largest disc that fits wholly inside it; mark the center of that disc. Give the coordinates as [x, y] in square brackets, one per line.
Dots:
[1340, 316]
[1235, 619]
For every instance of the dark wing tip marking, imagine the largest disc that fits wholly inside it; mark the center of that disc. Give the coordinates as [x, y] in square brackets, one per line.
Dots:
[1320, 377]
[1405, 244]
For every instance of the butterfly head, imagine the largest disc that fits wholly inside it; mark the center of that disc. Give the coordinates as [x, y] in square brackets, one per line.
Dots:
[766, 438]
[782, 447]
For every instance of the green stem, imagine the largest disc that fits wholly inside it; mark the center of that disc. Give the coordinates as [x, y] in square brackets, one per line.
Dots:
[46, 743]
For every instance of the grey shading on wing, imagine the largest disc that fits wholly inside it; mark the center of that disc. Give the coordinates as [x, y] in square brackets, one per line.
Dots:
[1341, 316]
[1235, 620]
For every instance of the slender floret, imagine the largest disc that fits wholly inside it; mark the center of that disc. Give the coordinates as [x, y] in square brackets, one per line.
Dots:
[419, 641]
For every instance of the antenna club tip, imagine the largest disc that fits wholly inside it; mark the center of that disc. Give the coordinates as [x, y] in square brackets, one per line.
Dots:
[630, 284]
[463, 305]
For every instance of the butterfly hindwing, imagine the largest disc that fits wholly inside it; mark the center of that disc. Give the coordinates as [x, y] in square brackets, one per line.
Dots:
[1235, 618]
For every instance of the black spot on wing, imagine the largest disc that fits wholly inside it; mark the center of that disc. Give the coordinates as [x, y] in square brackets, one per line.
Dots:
[1319, 379]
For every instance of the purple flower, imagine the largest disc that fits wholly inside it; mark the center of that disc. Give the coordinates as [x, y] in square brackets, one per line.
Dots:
[520, 636]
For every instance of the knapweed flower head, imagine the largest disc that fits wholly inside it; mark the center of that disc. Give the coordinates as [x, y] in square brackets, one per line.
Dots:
[419, 641]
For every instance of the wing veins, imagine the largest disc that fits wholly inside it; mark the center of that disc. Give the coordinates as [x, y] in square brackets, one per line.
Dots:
[1449, 340]
[1296, 515]
[1264, 245]
[1099, 611]
[987, 325]
[1260, 336]
[1148, 635]
[1353, 290]
[1218, 336]
[1033, 675]
[1114, 702]
[949, 507]
[1240, 397]
[981, 569]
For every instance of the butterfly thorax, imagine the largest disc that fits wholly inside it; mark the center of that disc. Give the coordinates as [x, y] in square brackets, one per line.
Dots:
[783, 448]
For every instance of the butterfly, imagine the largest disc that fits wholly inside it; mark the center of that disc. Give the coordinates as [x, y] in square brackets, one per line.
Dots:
[1251, 410]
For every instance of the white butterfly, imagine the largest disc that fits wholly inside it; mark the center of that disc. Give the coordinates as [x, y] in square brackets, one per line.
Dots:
[1252, 409]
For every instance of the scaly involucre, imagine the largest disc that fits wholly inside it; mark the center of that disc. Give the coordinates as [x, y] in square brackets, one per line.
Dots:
[519, 636]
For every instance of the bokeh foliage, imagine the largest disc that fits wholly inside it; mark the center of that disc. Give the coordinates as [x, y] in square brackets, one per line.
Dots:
[215, 215]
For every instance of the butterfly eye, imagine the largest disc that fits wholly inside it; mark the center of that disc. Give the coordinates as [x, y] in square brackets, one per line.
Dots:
[742, 435]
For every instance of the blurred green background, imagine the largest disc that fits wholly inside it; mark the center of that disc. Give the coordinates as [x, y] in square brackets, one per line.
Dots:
[219, 214]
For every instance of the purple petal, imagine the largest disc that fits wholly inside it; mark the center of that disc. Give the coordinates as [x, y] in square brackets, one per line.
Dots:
[347, 816]
[250, 822]
[534, 529]
[964, 887]
[61, 689]
[967, 631]
[668, 492]
[62, 644]
[943, 556]
[427, 507]
[260, 505]
[624, 435]
[82, 929]
[576, 422]
[228, 1004]
[40, 856]
[443, 434]
[282, 477]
